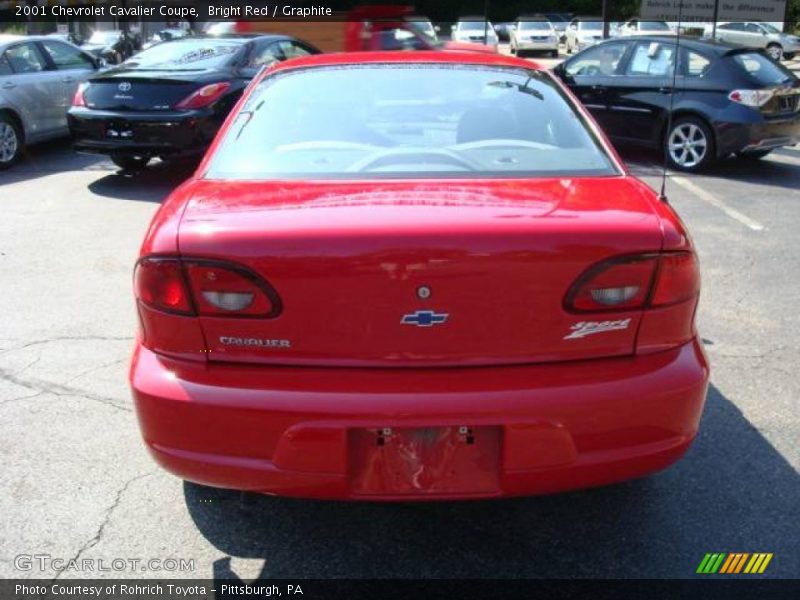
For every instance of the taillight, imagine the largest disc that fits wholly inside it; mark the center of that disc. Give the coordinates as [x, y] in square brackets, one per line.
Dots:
[160, 284]
[634, 282]
[78, 99]
[205, 96]
[221, 289]
[752, 98]
[204, 287]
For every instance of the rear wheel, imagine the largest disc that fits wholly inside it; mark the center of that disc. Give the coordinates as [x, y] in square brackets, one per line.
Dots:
[689, 144]
[10, 142]
[131, 163]
[775, 51]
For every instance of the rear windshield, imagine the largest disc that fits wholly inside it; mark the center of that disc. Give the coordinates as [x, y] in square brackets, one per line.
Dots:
[183, 55]
[408, 121]
[763, 69]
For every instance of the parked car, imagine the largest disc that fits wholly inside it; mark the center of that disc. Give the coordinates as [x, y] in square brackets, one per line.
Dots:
[636, 27]
[759, 35]
[168, 101]
[729, 99]
[475, 30]
[424, 26]
[406, 276]
[38, 76]
[534, 35]
[583, 32]
[113, 46]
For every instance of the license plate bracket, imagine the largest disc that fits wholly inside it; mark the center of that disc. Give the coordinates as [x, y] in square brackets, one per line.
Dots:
[424, 460]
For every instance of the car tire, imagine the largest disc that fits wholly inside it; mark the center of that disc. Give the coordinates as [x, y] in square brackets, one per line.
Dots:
[775, 52]
[754, 155]
[689, 144]
[130, 162]
[788, 55]
[10, 141]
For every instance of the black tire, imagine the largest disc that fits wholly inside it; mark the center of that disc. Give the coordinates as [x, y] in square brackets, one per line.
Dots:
[755, 155]
[693, 147]
[130, 163]
[788, 55]
[775, 51]
[10, 141]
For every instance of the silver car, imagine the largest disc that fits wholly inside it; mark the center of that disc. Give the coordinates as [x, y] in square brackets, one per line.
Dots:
[760, 35]
[536, 35]
[38, 77]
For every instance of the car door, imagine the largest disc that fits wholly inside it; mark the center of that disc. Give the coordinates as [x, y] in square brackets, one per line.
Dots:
[33, 90]
[753, 36]
[73, 67]
[639, 100]
[591, 74]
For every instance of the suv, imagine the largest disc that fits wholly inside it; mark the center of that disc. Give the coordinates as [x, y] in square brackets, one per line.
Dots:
[759, 35]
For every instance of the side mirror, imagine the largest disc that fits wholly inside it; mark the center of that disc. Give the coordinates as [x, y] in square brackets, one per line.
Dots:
[100, 63]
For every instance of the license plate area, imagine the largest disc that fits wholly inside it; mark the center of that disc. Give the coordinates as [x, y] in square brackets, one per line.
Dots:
[424, 460]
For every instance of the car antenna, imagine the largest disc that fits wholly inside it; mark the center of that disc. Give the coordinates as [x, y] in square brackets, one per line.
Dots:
[676, 62]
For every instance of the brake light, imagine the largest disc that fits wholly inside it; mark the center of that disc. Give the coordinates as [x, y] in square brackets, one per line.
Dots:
[221, 289]
[203, 287]
[752, 98]
[78, 99]
[205, 96]
[635, 282]
[160, 284]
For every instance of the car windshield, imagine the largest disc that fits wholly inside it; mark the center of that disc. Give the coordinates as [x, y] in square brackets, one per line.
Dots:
[534, 26]
[409, 120]
[104, 37]
[591, 25]
[763, 69]
[653, 26]
[474, 25]
[183, 55]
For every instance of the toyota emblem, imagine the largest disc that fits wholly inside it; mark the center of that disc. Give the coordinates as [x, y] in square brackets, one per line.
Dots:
[124, 86]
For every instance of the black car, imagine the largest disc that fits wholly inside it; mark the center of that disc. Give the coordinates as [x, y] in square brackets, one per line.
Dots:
[113, 46]
[727, 99]
[169, 100]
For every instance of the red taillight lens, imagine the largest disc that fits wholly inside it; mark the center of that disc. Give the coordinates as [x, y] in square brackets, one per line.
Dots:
[678, 279]
[78, 99]
[205, 96]
[222, 289]
[633, 282]
[159, 283]
[619, 284]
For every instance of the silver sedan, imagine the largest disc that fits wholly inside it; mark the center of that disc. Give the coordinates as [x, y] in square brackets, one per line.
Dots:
[38, 77]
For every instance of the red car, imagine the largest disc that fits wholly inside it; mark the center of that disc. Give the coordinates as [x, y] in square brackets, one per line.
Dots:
[413, 276]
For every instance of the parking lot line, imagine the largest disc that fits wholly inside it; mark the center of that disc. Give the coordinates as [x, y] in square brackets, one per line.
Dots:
[709, 198]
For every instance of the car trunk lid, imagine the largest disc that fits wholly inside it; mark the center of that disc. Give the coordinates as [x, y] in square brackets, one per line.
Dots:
[419, 274]
[144, 90]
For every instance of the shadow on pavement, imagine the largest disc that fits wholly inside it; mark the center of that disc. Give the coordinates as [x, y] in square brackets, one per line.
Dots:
[151, 184]
[733, 492]
[49, 158]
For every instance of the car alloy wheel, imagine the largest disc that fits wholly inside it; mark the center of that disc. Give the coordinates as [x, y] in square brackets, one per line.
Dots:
[689, 144]
[9, 143]
[775, 51]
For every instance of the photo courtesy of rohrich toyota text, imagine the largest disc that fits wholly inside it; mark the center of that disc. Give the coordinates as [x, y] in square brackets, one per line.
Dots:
[414, 299]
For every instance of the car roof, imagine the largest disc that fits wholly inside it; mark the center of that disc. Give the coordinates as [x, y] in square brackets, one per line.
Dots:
[418, 57]
[719, 48]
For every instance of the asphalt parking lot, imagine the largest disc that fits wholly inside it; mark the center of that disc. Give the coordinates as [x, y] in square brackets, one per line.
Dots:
[77, 483]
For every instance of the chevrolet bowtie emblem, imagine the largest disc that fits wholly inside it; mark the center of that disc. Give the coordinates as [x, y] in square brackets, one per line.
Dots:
[424, 318]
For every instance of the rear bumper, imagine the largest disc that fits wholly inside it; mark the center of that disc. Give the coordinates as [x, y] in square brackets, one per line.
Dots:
[310, 432]
[763, 134]
[142, 133]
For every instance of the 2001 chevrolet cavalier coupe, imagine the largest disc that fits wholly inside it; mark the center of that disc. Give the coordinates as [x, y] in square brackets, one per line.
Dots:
[415, 276]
